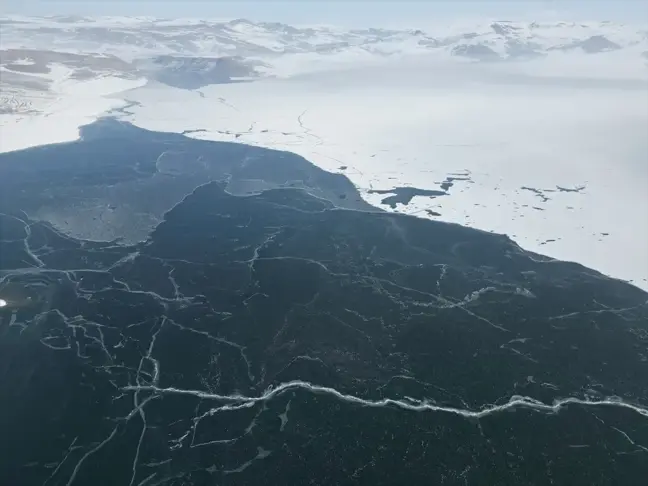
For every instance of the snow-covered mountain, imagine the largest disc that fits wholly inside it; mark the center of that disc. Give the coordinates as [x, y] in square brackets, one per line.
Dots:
[131, 38]
[38, 51]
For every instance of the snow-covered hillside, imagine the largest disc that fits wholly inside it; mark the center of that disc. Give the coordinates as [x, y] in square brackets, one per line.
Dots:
[535, 130]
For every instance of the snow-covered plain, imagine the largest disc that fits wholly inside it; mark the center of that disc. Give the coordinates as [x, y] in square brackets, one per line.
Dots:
[552, 152]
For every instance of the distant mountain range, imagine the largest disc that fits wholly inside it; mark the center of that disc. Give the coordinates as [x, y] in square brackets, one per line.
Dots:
[190, 54]
[131, 38]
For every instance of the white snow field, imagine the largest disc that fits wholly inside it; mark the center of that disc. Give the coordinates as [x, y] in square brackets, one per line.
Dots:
[551, 151]
[53, 116]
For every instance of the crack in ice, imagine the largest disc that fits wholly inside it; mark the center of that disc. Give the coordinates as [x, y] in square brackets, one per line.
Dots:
[410, 405]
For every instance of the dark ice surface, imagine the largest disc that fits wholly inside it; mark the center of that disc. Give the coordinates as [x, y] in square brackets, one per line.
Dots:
[404, 195]
[183, 312]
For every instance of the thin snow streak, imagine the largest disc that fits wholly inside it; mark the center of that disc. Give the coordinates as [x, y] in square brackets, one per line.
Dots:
[411, 405]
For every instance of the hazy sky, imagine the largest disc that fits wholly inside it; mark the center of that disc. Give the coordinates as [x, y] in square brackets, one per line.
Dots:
[384, 13]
